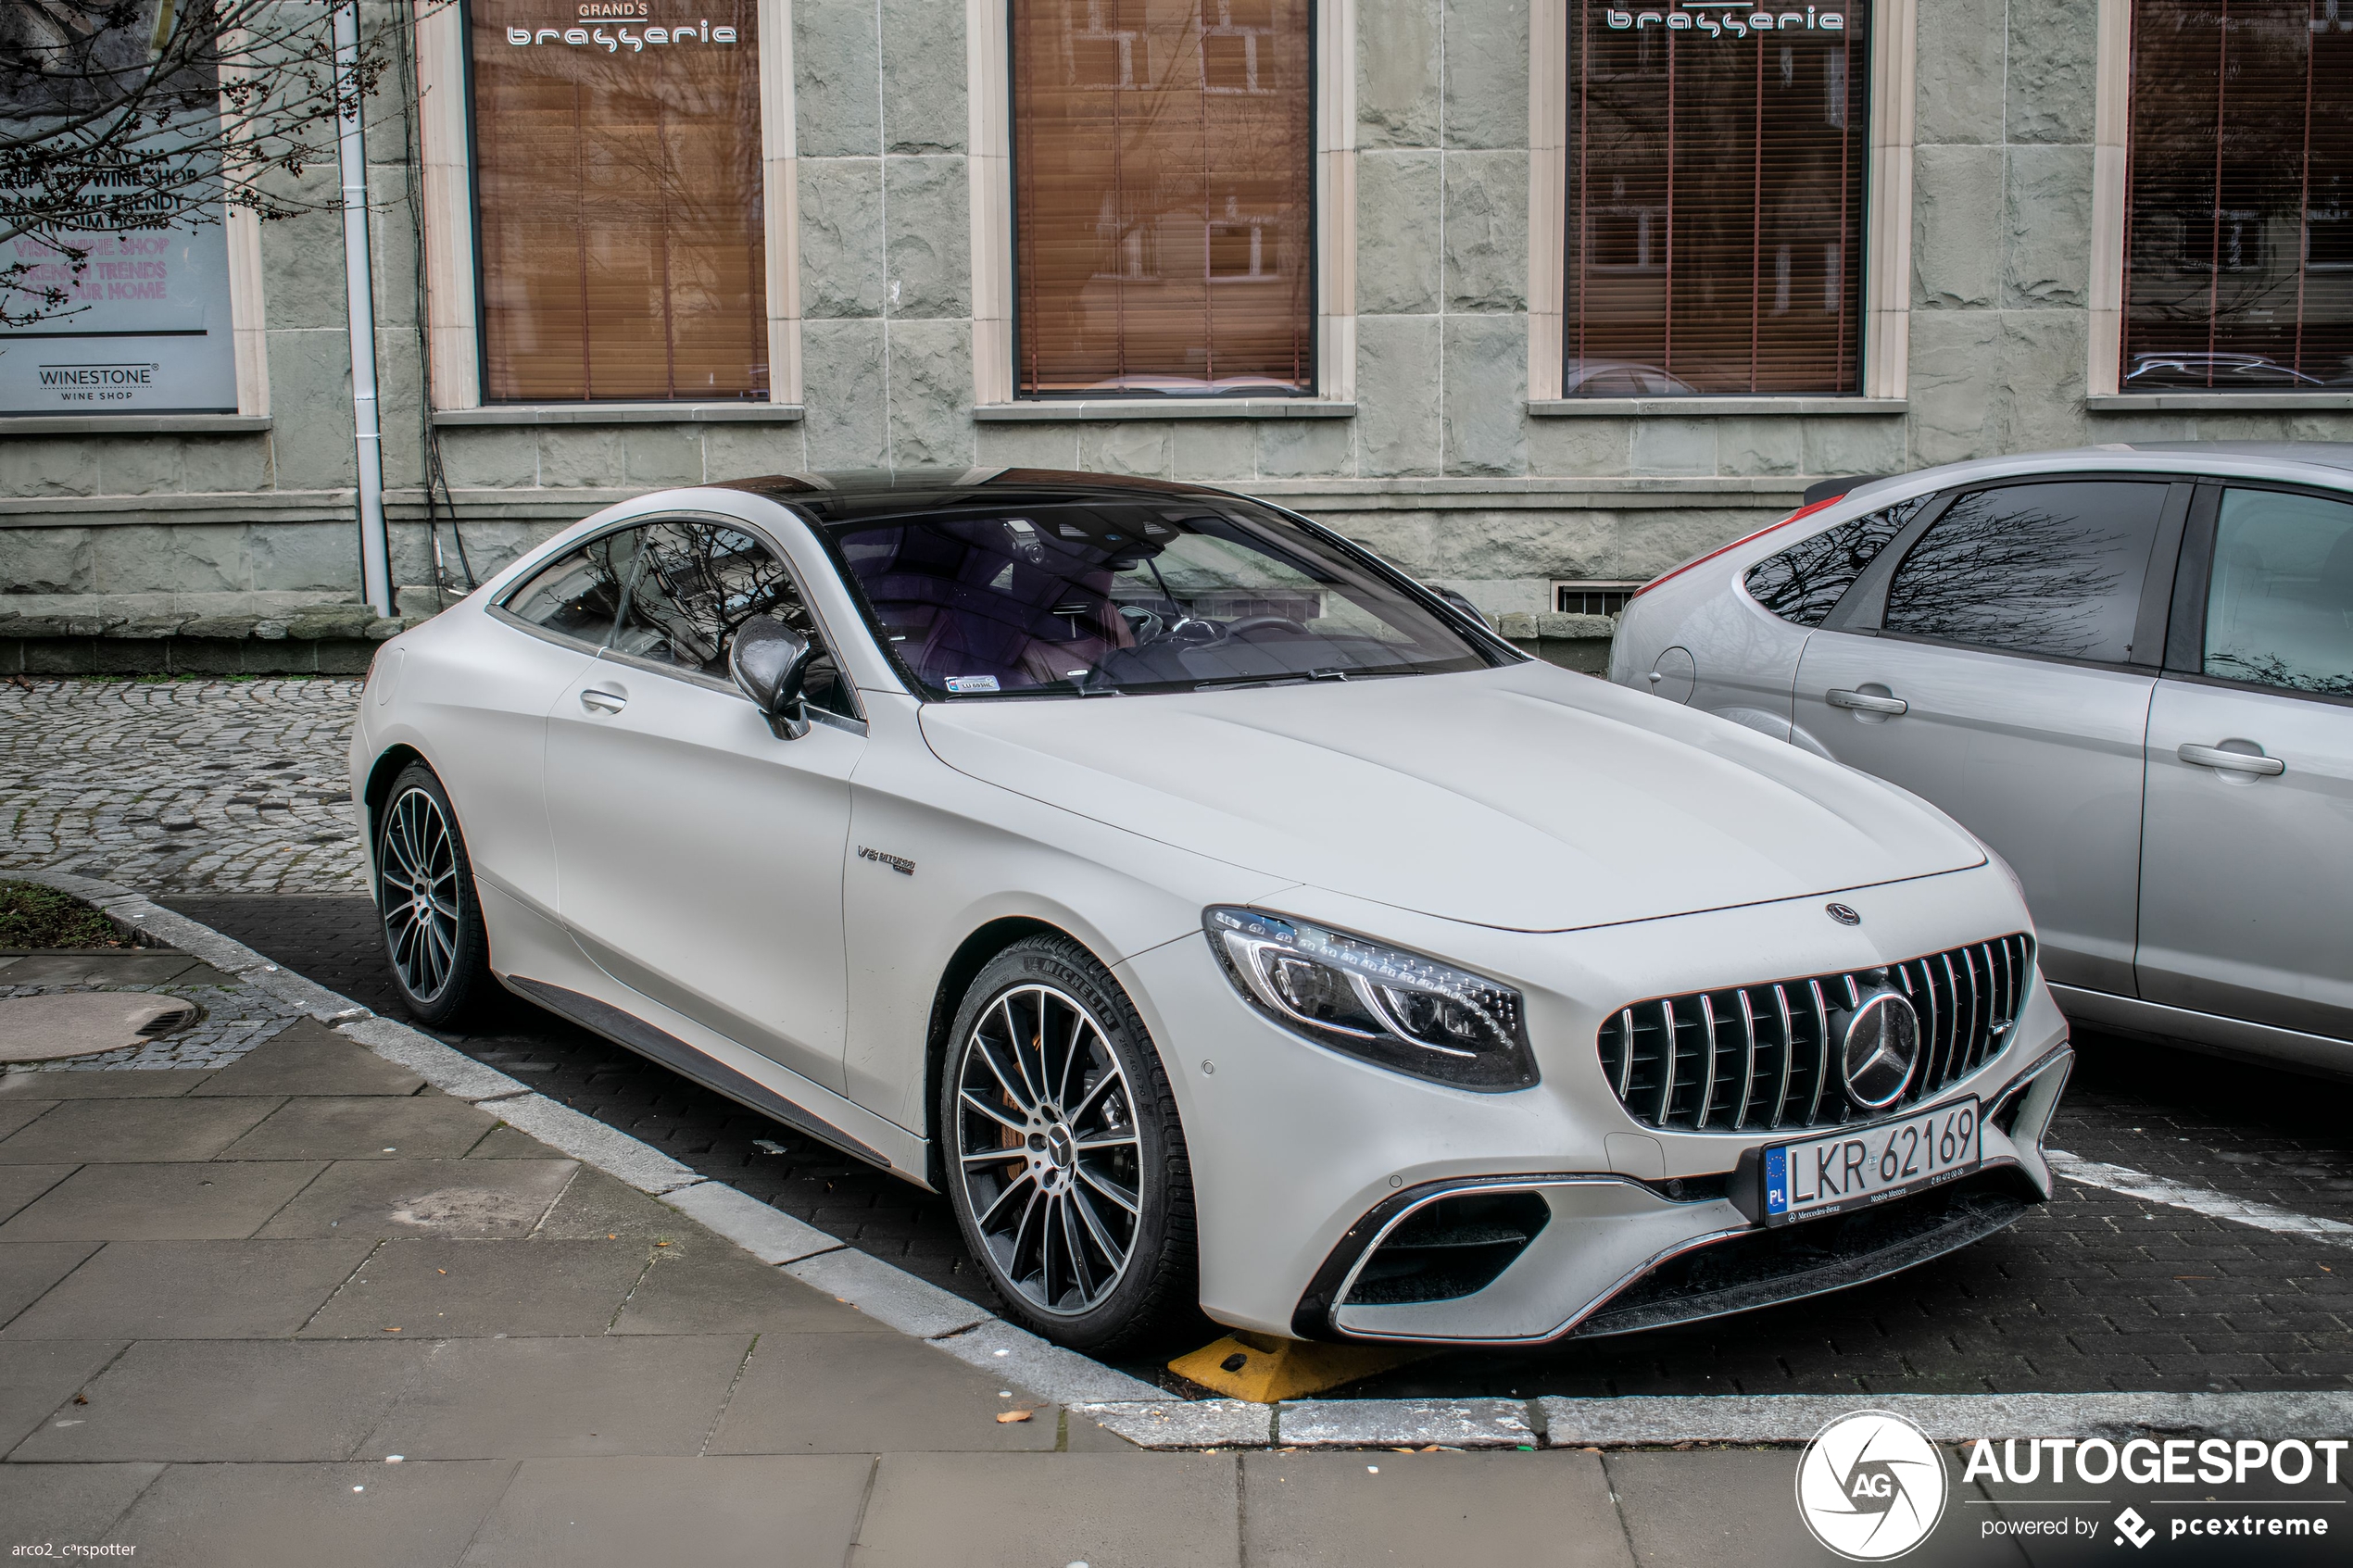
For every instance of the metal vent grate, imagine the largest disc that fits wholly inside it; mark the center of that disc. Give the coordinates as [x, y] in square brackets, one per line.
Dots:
[1757, 1058]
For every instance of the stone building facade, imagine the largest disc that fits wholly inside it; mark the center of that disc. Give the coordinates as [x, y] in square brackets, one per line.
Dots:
[1988, 264]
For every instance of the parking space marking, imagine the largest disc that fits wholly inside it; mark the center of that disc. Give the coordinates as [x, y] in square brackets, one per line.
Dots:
[2201, 1201]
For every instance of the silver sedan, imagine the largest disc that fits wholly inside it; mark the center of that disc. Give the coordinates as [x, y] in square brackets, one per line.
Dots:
[2128, 670]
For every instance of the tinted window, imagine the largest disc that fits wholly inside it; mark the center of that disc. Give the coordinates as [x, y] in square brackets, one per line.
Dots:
[2278, 611]
[2048, 569]
[1804, 583]
[1120, 596]
[575, 597]
[689, 586]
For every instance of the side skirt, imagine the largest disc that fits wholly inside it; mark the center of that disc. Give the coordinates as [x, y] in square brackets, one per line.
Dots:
[636, 1035]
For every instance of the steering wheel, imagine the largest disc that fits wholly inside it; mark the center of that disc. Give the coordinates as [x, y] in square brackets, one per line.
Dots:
[1243, 626]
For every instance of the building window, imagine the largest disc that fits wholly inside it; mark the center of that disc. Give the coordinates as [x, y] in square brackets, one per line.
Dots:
[617, 189]
[2238, 272]
[1163, 197]
[1717, 160]
[1592, 595]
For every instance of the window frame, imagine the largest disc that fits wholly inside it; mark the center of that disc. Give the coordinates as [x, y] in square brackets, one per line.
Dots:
[1331, 238]
[829, 642]
[2193, 576]
[450, 255]
[1883, 346]
[1862, 609]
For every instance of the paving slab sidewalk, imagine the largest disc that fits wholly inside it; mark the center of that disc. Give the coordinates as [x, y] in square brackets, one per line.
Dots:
[230, 1295]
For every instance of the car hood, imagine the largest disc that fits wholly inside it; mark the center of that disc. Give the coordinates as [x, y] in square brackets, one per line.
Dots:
[1524, 797]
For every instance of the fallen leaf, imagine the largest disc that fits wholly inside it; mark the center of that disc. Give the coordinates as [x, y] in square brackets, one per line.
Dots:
[392, 1331]
[81, 1399]
[1431, 1449]
[1005, 1416]
[441, 1271]
[1402, 1451]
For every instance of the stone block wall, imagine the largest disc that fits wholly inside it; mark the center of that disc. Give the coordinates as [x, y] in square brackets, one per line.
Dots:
[1442, 466]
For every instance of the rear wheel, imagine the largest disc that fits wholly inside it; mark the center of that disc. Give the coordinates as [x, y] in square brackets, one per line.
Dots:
[425, 901]
[1066, 1159]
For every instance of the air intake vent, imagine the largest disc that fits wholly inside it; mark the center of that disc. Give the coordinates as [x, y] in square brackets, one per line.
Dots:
[1757, 1058]
[1450, 1249]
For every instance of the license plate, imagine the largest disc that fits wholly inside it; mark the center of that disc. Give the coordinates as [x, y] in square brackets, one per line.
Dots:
[1859, 1166]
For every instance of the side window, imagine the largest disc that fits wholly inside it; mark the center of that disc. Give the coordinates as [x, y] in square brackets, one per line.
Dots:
[575, 597]
[1804, 583]
[686, 587]
[2047, 568]
[2279, 607]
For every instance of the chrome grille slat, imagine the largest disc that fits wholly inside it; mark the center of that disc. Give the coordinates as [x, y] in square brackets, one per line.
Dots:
[1967, 997]
[1789, 1053]
[1707, 1065]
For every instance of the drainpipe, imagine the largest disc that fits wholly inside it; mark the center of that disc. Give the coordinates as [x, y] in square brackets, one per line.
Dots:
[375, 552]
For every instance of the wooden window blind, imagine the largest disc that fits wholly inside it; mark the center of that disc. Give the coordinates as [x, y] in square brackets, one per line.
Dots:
[1716, 163]
[618, 192]
[1164, 183]
[2238, 272]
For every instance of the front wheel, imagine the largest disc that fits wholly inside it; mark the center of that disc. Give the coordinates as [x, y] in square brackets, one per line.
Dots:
[1066, 1159]
[425, 901]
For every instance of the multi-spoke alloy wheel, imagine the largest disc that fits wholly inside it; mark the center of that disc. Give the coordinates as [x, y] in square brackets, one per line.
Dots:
[420, 902]
[432, 922]
[1047, 1151]
[1065, 1153]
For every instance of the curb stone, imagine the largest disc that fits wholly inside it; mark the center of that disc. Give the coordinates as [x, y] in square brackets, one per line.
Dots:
[769, 1234]
[1357, 1424]
[1794, 1418]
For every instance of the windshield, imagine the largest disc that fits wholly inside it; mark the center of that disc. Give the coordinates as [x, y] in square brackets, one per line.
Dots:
[1117, 596]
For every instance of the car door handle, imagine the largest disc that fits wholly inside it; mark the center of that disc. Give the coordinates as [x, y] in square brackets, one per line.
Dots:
[609, 702]
[1867, 701]
[2229, 761]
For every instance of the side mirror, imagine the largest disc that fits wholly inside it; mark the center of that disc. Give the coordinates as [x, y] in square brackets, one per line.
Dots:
[769, 661]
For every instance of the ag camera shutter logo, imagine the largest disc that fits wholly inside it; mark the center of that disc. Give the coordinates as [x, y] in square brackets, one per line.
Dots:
[1871, 1486]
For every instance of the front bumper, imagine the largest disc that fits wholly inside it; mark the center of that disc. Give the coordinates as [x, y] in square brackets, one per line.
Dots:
[1680, 1262]
[1301, 1157]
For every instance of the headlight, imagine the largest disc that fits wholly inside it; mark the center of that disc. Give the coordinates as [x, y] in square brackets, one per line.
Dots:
[1405, 1011]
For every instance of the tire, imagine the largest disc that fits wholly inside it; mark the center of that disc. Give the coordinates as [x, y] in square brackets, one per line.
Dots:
[426, 908]
[1081, 1129]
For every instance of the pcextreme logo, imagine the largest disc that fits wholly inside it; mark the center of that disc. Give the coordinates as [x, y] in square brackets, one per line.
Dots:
[1870, 1486]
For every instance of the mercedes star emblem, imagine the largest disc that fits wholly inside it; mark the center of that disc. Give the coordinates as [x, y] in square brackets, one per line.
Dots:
[1882, 1046]
[1842, 914]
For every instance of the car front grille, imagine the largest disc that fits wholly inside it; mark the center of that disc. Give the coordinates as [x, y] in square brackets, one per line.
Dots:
[1757, 1058]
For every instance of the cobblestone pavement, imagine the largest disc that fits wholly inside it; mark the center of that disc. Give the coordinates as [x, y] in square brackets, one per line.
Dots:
[232, 1018]
[159, 785]
[2095, 1291]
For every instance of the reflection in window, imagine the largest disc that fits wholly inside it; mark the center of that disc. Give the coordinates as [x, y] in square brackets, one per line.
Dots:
[1162, 188]
[688, 587]
[2278, 611]
[618, 192]
[576, 597]
[2046, 568]
[1804, 583]
[2241, 171]
[1715, 178]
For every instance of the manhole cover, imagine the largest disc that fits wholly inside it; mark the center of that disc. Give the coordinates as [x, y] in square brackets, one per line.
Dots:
[71, 1023]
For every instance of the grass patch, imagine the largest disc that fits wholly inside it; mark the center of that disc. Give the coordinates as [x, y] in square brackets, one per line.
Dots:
[34, 916]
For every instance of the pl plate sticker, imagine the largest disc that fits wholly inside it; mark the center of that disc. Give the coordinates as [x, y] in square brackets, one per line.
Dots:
[1870, 1486]
[972, 683]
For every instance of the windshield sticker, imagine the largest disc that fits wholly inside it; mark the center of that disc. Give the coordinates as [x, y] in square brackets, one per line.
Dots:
[972, 683]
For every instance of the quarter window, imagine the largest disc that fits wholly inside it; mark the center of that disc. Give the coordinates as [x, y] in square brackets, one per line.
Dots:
[2044, 568]
[1804, 583]
[576, 597]
[2238, 274]
[1163, 188]
[2279, 609]
[618, 193]
[1715, 178]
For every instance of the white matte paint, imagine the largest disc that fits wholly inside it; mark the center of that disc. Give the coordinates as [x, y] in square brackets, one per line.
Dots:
[1566, 837]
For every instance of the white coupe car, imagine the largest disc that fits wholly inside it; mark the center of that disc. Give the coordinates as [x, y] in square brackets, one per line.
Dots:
[1213, 914]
